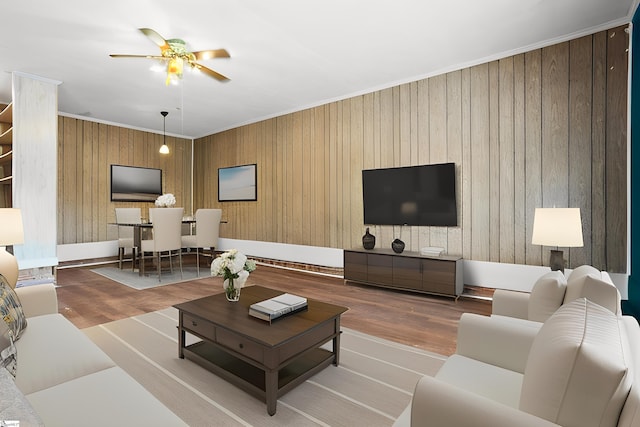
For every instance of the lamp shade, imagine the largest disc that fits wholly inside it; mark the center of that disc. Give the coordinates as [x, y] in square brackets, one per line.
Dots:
[557, 227]
[11, 229]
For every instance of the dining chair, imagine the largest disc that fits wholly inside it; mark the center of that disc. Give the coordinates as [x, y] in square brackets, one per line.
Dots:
[125, 233]
[167, 228]
[207, 232]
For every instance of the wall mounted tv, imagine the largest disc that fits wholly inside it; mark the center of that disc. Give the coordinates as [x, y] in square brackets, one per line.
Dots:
[412, 195]
[135, 184]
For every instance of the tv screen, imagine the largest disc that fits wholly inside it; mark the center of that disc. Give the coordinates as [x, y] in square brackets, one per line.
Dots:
[135, 184]
[412, 195]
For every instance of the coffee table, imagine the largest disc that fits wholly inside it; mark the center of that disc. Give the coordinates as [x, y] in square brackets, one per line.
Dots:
[264, 359]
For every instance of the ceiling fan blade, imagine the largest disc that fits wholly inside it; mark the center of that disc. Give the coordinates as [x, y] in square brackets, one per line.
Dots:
[155, 37]
[209, 72]
[113, 55]
[208, 54]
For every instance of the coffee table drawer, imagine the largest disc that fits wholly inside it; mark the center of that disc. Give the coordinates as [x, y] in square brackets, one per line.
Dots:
[308, 340]
[199, 326]
[240, 345]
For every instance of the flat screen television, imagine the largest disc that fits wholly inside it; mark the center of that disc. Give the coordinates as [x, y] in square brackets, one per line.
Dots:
[411, 195]
[135, 184]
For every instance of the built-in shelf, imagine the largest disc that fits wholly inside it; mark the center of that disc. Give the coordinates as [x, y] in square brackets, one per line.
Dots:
[6, 158]
[6, 137]
[6, 115]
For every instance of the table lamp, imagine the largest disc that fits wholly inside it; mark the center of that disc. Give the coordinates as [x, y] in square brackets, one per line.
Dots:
[557, 227]
[11, 233]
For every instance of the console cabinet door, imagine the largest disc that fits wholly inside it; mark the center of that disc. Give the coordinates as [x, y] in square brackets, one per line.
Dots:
[355, 266]
[407, 273]
[380, 269]
[439, 276]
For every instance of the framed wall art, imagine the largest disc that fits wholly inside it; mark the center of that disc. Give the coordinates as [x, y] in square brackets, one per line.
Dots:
[237, 183]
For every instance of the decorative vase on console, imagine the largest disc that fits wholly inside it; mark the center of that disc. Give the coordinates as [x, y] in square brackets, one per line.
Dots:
[368, 240]
[398, 246]
[234, 267]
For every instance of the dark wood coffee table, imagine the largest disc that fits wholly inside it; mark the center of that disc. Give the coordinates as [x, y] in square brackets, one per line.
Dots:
[266, 360]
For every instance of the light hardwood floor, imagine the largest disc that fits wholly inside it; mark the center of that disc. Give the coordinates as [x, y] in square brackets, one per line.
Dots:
[427, 322]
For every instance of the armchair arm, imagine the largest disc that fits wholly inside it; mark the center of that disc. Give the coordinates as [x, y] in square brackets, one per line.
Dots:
[438, 404]
[37, 300]
[511, 303]
[497, 340]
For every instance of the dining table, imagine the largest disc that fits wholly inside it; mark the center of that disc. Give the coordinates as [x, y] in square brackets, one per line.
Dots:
[138, 228]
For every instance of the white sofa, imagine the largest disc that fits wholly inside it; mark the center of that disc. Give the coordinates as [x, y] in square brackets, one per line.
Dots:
[580, 369]
[68, 380]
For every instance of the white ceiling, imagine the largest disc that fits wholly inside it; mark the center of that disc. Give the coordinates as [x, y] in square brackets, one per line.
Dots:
[286, 55]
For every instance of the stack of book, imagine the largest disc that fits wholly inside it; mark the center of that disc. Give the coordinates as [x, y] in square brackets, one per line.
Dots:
[276, 307]
[431, 251]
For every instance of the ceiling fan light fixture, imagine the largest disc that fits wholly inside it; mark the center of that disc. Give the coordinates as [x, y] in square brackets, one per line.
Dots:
[175, 68]
[174, 56]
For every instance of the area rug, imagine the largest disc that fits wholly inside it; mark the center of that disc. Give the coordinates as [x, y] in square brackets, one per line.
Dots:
[150, 279]
[371, 386]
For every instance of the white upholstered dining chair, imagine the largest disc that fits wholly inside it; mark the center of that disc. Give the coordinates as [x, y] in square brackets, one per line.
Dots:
[207, 232]
[125, 233]
[167, 230]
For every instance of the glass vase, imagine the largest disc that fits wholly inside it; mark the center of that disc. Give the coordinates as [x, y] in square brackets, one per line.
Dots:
[231, 292]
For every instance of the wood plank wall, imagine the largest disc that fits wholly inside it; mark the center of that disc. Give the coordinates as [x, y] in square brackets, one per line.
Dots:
[86, 151]
[540, 129]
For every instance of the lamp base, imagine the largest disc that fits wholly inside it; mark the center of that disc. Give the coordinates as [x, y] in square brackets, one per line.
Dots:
[556, 261]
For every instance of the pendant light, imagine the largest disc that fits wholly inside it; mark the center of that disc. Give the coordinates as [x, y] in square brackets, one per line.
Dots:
[164, 149]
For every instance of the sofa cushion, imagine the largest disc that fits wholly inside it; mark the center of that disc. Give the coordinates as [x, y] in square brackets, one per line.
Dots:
[8, 351]
[546, 296]
[11, 310]
[52, 351]
[493, 382]
[575, 280]
[106, 398]
[577, 370]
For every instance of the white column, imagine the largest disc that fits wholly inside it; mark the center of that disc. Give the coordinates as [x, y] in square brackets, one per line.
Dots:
[35, 169]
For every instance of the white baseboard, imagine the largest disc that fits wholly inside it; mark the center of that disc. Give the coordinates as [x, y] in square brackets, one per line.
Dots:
[315, 255]
[497, 275]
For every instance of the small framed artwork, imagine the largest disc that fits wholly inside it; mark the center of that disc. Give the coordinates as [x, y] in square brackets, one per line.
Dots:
[237, 183]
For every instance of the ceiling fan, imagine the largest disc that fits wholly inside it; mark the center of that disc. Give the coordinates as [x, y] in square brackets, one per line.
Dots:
[174, 53]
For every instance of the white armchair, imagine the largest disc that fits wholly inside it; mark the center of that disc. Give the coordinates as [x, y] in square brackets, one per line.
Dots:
[552, 290]
[578, 369]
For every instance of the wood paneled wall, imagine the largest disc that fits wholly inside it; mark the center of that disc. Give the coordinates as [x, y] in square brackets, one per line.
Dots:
[86, 151]
[541, 129]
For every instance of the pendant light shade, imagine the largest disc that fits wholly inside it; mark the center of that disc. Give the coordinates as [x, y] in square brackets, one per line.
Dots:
[164, 149]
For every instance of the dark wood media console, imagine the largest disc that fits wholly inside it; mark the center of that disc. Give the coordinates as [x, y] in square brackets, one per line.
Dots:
[412, 271]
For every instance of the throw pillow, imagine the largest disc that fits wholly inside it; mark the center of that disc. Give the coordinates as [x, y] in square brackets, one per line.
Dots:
[8, 352]
[576, 279]
[546, 296]
[11, 310]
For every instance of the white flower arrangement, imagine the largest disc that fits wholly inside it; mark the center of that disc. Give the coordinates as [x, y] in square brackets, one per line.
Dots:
[234, 267]
[166, 200]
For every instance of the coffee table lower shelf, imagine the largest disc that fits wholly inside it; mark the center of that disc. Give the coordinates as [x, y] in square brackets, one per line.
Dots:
[252, 378]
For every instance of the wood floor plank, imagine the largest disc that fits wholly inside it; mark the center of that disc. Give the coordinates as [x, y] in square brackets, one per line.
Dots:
[427, 322]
